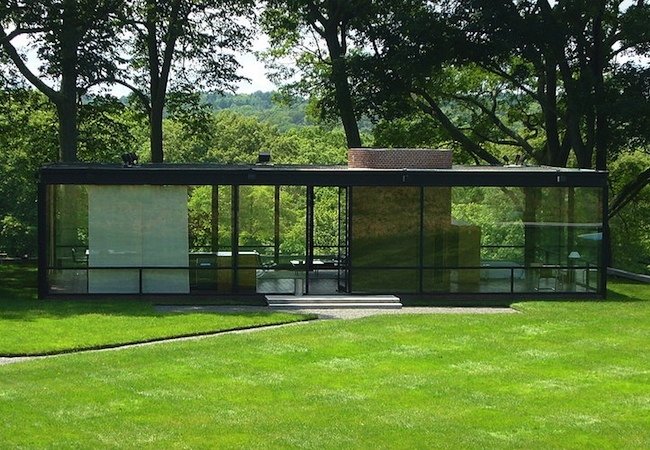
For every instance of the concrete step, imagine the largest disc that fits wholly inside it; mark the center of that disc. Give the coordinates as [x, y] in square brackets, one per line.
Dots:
[333, 301]
[336, 305]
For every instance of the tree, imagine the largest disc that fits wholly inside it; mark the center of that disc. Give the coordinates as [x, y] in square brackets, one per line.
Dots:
[534, 77]
[239, 139]
[106, 129]
[182, 46]
[530, 75]
[630, 228]
[290, 25]
[74, 40]
[27, 139]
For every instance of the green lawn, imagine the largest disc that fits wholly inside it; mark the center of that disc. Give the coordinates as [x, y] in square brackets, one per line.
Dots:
[29, 326]
[558, 375]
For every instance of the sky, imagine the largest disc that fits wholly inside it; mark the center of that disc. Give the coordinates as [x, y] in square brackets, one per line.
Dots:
[251, 68]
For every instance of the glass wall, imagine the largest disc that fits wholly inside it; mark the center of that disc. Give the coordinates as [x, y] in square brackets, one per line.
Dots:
[67, 218]
[138, 239]
[210, 239]
[475, 239]
[286, 272]
[440, 254]
[385, 239]
[118, 239]
[263, 226]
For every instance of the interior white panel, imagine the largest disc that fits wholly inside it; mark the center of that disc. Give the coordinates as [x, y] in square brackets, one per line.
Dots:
[137, 226]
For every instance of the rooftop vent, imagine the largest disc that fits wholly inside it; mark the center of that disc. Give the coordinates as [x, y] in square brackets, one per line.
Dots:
[264, 158]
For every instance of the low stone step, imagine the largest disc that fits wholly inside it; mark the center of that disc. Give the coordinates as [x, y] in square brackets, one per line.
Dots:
[336, 305]
[332, 299]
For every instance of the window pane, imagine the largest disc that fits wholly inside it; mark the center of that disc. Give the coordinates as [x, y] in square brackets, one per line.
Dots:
[385, 233]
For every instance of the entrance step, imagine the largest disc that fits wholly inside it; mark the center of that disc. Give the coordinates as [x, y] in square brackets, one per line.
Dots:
[333, 301]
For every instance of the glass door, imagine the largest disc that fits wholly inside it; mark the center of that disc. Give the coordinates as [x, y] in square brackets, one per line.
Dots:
[327, 240]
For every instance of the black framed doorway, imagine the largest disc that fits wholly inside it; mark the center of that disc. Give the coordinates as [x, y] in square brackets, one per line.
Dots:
[327, 239]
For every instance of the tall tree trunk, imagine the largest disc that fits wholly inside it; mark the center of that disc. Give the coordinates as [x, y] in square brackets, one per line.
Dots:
[344, 102]
[156, 131]
[556, 154]
[583, 153]
[67, 102]
[597, 63]
[66, 110]
[157, 101]
[342, 90]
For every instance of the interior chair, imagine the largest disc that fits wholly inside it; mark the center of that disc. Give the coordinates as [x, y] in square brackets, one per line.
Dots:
[79, 257]
[547, 279]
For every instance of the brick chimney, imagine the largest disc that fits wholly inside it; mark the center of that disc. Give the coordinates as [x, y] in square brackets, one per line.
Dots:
[398, 158]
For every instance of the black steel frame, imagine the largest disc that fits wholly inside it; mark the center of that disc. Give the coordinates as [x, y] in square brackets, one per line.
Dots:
[174, 174]
[310, 177]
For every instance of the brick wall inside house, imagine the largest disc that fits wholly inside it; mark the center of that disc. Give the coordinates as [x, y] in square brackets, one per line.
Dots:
[398, 158]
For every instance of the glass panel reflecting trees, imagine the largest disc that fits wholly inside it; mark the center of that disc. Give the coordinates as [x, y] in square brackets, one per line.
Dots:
[68, 238]
[385, 239]
[476, 239]
[247, 239]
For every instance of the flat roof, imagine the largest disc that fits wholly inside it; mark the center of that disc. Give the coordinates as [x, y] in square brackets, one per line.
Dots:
[316, 175]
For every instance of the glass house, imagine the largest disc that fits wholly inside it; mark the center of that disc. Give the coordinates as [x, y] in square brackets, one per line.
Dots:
[401, 222]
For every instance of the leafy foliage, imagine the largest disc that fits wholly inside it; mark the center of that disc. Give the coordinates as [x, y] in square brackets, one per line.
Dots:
[517, 86]
[181, 46]
[318, 36]
[265, 106]
[28, 134]
[631, 228]
[75, 42]
[28, 137]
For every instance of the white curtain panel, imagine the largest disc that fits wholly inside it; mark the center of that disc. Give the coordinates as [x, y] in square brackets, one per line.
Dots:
[138, 226]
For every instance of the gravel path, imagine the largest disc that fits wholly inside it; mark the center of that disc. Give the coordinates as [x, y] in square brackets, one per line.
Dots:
[342, 313]
[349, 313]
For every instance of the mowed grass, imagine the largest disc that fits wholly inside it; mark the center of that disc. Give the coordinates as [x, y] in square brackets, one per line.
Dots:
[32, 327]
[557, 375]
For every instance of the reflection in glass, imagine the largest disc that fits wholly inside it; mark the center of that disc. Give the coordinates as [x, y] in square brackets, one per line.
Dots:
[385, 233]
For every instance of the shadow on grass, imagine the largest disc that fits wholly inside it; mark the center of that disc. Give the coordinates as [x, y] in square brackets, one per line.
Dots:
[105, 323]
[618, 291]
[18, 301]
[621, 290]
[165, 338]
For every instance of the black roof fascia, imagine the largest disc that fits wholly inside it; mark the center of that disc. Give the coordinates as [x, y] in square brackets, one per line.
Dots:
[317, 176]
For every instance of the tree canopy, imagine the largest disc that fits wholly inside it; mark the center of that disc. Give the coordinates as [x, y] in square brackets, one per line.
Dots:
[562, 83]
[531, 75]
[182, 46]
[75, 44]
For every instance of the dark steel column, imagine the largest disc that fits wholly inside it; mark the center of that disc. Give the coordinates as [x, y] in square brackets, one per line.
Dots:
[421, 247]
[276, 237]
[338, 241]
[348, 237]
[215, 219]
[310, 236]
[605, 245]
[234, 236]
[43, 256]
